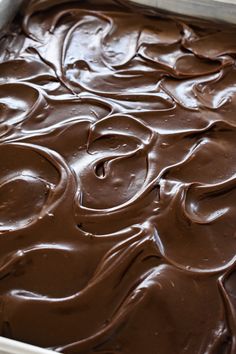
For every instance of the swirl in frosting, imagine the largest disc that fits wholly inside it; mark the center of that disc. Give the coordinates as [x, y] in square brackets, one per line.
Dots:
[117, 180]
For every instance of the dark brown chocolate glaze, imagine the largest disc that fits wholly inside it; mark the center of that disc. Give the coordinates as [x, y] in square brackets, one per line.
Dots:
[118, 181]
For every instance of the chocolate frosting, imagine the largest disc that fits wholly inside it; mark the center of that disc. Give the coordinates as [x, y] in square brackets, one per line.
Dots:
[117, 180]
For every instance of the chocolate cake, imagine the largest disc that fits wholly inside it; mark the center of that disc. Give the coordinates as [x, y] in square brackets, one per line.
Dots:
[117, 180]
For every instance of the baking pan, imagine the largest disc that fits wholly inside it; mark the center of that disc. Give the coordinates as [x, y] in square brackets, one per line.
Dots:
[211, 9]
[8, 10]
[8, 346]
[222, 10]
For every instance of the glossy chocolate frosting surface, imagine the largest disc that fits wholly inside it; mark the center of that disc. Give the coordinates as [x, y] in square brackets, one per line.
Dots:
[117, 180]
